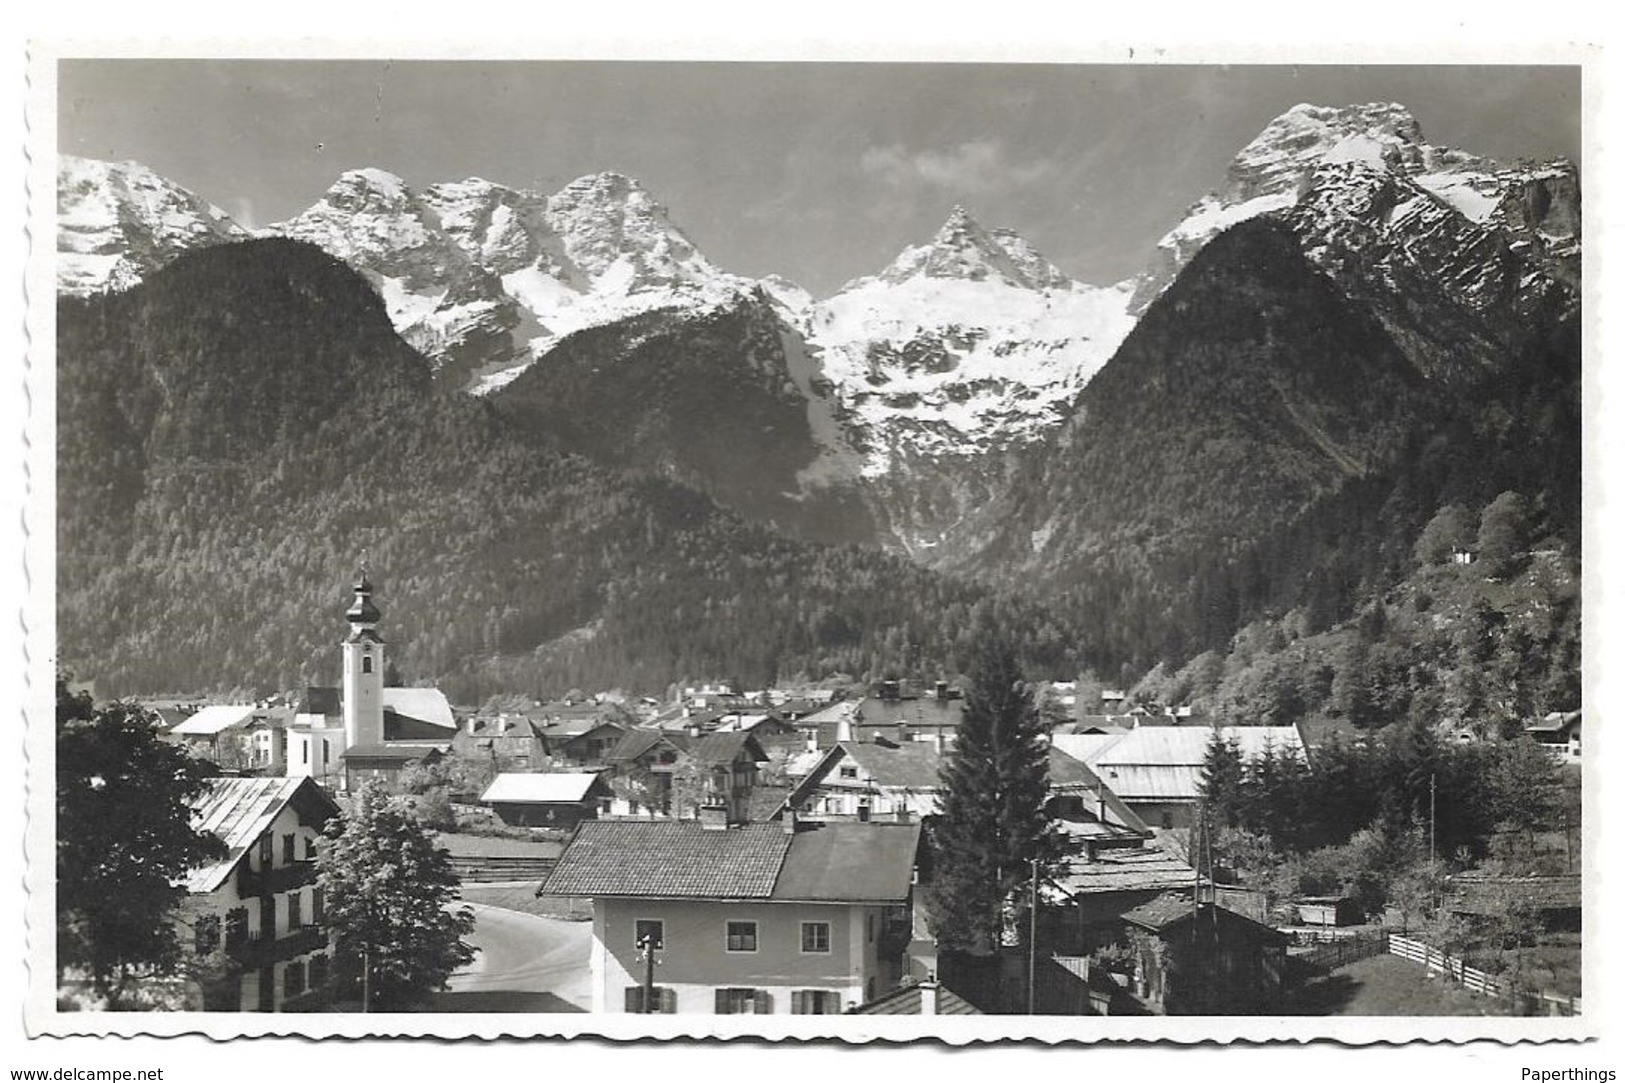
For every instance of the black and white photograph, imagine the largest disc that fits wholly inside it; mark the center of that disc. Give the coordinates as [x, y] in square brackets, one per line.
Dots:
[666, 548]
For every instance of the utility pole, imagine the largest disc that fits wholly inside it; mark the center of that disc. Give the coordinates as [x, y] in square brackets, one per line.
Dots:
[646, 944]
[1032, 942]
[366, 978]
[1433, 816]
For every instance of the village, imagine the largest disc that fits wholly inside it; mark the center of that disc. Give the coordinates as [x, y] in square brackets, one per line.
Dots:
[770, 851]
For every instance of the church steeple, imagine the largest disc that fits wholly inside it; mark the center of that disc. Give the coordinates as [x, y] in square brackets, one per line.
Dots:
[363, 615]
[363, 667]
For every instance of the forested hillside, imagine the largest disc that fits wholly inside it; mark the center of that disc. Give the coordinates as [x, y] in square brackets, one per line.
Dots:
[236, 431]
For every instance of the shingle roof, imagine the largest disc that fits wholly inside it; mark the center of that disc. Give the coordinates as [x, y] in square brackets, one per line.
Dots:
[849, 862]
[636, 742]
[906, 1001]
[1126, 870]
[321, 699]
[552, 787]
[1168, 910]
[670, 859]
[237, 811]
[216, 719]
[717, 749]
[912, 765]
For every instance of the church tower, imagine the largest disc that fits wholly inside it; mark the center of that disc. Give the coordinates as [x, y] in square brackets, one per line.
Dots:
[363, 669]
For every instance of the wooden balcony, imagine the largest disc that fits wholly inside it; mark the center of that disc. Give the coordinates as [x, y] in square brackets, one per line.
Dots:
[274, 881]
[258, 951]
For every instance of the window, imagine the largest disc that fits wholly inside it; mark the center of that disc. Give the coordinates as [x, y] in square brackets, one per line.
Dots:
[744, 1002]
[1168, 820]
[741, 936]
[814, 937]
[206, 934]
[296, 916]
[366, 663]
[288, 849]
[815, 1002]
[268, 918]
[318, 912]
[665, 1000]
[849, 772]
[293, 978]
[873, 921]
[318, 970]
[652, 931]
[310, 847]
[236, 926]
[304, 751]
[267, 850]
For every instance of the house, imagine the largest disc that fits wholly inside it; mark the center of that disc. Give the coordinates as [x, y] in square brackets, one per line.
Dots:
[547, 799]
[1157, 770]
[1199, 958]
[862, 781]
[220, 734]
[1327, 910]
[824, 728]
[1086, 811]
[255, 917]
[926, 997]
[1097, 889]
[899, 715]
[782, 918]
[1553, 901]
[511, 742]
[584, 742]
[1559, 733]
[666, 773]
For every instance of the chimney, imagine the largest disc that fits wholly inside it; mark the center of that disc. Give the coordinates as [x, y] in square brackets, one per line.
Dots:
[891, 690]
[714, 816]
[942, 690]
[789, 821]
[928, 997]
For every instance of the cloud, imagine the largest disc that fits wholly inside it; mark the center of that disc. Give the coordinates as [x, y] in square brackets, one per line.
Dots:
[969, 168]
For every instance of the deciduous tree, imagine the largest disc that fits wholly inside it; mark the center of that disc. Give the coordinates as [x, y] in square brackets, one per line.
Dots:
[390, 892]
[124, 844]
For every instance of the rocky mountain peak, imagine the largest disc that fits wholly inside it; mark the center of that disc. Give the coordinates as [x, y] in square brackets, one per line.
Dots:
[962, 250]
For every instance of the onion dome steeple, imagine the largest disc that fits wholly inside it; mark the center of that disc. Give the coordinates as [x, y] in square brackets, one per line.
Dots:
[362, 612]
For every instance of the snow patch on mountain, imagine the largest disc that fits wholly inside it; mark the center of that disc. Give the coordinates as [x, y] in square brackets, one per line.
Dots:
[1272, 173]
[117, 222]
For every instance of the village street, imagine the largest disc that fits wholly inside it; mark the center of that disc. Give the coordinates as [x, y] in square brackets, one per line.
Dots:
[526, 963]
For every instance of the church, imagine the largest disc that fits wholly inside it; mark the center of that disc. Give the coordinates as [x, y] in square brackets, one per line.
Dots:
[365, 729]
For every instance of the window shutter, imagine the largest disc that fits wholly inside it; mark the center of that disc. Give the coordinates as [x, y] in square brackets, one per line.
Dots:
[668, 1001]
[722, 1002]
[634, 999]
[798, 1003]
[764, 1002]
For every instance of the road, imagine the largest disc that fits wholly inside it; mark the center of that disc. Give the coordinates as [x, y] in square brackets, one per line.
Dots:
[525, 964]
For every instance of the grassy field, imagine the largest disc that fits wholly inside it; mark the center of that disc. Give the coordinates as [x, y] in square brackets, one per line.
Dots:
[1389, 985]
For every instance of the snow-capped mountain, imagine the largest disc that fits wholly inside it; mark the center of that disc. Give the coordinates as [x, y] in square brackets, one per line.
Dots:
[499, 274]
[1536, 206]
[960, 349]
[119, 221]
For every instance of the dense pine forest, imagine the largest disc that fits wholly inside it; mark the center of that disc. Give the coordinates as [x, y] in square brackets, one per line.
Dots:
[238, 430]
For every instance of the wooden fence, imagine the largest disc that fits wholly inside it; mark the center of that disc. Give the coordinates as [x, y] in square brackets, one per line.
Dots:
[1541, 1002]
[1343, 950]
[488, 869]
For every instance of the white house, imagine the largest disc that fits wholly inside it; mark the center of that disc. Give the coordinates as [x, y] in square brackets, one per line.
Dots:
[254, 919]
[755, 918]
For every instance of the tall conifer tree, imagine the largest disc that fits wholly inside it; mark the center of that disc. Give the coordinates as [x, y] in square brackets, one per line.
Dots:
[992, 824]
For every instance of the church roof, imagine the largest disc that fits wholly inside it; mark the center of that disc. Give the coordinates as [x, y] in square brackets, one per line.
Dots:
[424, 704]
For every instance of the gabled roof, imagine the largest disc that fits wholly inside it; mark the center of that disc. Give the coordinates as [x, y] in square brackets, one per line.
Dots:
[1126, 870]
[719, 749]
[423, 704]
[216, 719]
[910, 765]
[1168, 911]
[907, 1001]
[636, 743]
[1164, 763]
[849, 862]
[670, 859]
[553, 787]
[924, 711]
[1556, 722]
[681, 859]
[238, 810]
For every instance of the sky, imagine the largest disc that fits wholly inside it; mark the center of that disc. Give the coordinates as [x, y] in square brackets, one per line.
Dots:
[818, 171]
